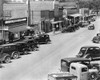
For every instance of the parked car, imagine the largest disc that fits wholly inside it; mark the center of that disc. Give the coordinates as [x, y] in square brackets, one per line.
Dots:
[90, 52]
[96, 38]
[22, 47]
[7, 52]
[85, 23]
[42, 38]
[32, 44]
[27, 45]
[91, 27]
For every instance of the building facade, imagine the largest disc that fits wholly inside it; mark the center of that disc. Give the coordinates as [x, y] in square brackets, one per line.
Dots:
[41, 13]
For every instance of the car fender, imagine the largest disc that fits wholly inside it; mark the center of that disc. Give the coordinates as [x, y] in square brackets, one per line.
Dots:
[4, 56]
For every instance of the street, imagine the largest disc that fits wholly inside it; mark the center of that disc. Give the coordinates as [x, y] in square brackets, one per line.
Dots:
[38, 64]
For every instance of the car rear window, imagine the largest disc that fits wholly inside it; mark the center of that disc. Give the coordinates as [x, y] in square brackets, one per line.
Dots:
[84, 69]
[63, 63]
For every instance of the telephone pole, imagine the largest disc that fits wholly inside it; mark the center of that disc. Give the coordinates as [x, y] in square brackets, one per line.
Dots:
[1, 17]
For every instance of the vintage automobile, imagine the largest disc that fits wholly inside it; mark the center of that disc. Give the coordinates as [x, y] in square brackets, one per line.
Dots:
[91, 27]
[32, 44]
[90, 52]
[22, 47]
[27, 45]
[96, 38]
[84, 24]
[42, 38]
[8, 51]
[78, 71]
[65, 63]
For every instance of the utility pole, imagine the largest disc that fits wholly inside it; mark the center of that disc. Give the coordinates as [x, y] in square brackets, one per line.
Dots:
[29, 14]
[1, 16]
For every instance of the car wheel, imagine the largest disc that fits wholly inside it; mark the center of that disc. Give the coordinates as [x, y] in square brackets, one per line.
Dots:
[30, 49]
[15, 55]
[26, 52]
[46, 41]
[7, 59]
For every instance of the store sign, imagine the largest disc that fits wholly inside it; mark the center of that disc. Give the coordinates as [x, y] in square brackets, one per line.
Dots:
[72, 11]
[15, 20]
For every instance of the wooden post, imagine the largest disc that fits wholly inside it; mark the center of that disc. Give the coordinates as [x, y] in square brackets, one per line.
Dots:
[60, 26]
[53, 28]
[29, 14]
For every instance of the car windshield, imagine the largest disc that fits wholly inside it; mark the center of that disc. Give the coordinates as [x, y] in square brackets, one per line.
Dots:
[82, 51]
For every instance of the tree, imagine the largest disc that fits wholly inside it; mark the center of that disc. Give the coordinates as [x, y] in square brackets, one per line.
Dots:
[96, 5]
[93, 4]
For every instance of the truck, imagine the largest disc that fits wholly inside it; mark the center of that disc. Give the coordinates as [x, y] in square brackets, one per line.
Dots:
[78, 71]
[66, 62]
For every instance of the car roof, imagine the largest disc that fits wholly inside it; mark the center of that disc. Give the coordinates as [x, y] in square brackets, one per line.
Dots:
[9, 44]
[75, 59]
[19, 42]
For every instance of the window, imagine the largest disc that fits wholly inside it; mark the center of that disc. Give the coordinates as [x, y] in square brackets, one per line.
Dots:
[63, 63]
[73, 67]
[84, 69]
[83, 50]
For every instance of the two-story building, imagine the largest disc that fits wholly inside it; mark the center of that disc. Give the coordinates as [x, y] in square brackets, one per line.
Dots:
[15, 16]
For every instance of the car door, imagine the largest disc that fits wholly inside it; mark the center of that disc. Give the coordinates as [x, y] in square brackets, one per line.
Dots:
[89, 52]
[6, 50]
[94, 52]
[97, 52]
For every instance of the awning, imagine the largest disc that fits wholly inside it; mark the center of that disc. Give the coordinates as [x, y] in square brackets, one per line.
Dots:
[20, 28]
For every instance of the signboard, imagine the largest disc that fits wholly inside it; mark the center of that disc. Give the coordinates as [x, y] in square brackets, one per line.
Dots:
[15, 20]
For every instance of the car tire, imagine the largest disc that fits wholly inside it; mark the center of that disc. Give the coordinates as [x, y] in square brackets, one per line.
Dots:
[15, 55]
[26, 52]
[93, 76]
[7, 59]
